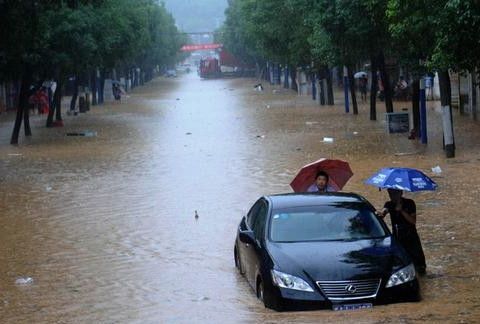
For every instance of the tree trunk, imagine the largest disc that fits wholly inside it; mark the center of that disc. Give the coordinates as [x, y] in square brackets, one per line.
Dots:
[373, 89]
[58, 99]
[473, 94]
[127, 77]
[293, 76]
[267, 72]
[416, 107]
[353, 94]
[446, 103]
[73, 102]
[26, 120]
[330, 99]
[51, 111]
[322, 91]
[286, 75]
[387, 89]
[23, 105]
[93, 87]
[101, 88]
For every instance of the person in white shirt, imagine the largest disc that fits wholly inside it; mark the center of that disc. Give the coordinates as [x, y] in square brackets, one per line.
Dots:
[321, 183]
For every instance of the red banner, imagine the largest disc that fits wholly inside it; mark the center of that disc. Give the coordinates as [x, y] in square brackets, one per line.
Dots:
[200, 47]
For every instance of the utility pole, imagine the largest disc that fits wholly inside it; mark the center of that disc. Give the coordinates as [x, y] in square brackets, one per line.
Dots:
[345, 89]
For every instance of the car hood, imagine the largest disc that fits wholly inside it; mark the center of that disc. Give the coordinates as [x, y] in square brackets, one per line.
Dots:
[338, 260]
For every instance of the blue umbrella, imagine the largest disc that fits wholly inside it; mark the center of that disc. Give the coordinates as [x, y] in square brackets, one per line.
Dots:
[402, 179]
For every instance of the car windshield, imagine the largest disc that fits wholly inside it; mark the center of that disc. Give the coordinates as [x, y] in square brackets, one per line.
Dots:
[343, 221]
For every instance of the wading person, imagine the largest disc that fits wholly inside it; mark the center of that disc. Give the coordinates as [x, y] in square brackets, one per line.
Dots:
[403, 216]
[321, 183]
[363, 82]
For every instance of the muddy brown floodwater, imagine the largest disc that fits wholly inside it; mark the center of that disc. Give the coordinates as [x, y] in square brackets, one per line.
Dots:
[105, 225]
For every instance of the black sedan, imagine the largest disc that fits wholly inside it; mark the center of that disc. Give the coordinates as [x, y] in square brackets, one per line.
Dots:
[326, 249]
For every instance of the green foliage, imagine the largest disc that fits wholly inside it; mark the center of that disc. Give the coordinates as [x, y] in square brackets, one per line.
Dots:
[457, 44]
[424, 35]
[267, 29]
[347, 32]
[439, 34]
[75, 36]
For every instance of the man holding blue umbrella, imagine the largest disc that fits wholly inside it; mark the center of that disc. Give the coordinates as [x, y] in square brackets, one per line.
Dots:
[404, 218]
[403, 211]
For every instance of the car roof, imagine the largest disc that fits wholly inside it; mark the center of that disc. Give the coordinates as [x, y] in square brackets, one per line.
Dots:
[290, 200]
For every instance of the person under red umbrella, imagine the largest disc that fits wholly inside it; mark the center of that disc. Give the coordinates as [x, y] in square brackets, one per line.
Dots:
[321, 183]
[321, 175]
[40, 99]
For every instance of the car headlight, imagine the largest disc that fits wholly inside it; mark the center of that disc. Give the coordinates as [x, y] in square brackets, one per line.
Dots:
[402, 276]
[284, 280]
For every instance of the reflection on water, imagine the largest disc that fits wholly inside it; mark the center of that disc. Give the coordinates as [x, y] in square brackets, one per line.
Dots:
[105, 225]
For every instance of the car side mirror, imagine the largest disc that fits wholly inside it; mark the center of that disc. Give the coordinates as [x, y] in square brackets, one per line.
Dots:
[246, 237]
[243, 224]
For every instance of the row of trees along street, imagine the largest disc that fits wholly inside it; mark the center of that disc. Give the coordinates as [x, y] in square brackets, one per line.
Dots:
[84, 40]
[423, 36]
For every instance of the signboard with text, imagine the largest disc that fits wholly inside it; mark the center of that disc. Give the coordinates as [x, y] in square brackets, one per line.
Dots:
[398, 122]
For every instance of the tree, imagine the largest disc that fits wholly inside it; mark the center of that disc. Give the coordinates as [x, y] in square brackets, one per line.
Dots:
[411, 26]
[60, 39]
[451, 30]
[268, 30]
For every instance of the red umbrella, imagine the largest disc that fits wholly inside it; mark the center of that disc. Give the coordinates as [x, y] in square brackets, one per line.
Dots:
[338, 171]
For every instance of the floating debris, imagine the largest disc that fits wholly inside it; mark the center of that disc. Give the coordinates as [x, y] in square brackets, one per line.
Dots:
[407, 153]
[24, 281]
[258, 87]
[86, 133]
[310, 123]
[328, 139]
[437, 170]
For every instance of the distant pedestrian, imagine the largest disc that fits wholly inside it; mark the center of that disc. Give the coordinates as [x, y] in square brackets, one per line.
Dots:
[363, 82]
[381, 88]
[321, 183]
[429, 86]
[39, 98]
[403, 215]
[51, 87]
[117, 92]
[401, 89]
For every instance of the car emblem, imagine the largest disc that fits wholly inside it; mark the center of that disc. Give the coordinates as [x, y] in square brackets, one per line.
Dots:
[350, 289]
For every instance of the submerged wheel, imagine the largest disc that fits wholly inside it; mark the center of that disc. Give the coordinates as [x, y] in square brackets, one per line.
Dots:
[261, 292]
[267, 298]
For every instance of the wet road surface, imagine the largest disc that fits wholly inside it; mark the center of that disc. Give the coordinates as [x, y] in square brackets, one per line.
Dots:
[105, 225]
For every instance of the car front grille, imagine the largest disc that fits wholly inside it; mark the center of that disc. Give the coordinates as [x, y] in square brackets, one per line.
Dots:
[349, 289]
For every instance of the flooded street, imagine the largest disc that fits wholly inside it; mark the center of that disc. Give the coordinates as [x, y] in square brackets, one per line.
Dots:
[105, 225]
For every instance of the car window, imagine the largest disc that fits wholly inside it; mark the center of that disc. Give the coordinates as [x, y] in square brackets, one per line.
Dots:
[259, 223]
[252, 214]
[325, 223]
